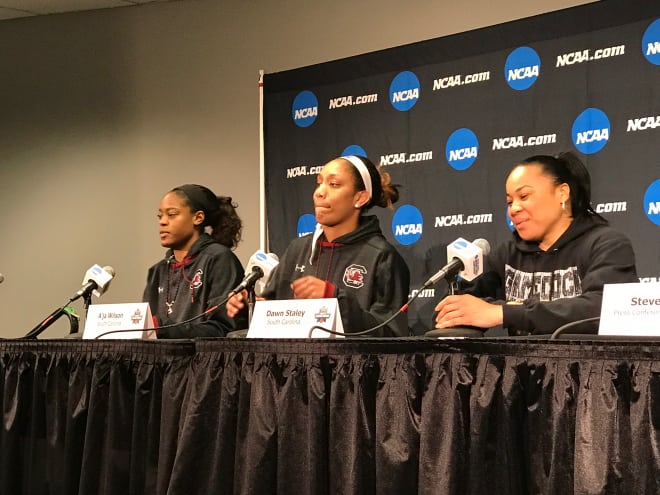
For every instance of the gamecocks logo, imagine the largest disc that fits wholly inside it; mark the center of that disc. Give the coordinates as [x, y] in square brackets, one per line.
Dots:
[196, 281]
[354, 276]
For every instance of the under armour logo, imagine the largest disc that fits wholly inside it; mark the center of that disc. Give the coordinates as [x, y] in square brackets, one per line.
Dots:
[300, 268]
[160, 290]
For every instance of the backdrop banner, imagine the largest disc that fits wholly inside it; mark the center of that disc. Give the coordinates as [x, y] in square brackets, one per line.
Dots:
[448, 118]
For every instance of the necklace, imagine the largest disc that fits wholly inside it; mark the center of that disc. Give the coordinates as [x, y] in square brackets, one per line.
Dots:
[173, 265]
[169, 302]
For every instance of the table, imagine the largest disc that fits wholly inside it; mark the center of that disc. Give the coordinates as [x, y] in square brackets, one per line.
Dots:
[353, 416]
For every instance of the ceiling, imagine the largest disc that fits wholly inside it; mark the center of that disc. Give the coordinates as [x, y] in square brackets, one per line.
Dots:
[12, 9]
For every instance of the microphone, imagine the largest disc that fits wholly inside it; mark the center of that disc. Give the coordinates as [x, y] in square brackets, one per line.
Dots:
[249, 280]
[465, 259]
[95, 281]
[257, 272]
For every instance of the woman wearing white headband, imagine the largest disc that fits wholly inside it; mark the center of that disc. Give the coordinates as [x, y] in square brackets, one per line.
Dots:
[347, 257]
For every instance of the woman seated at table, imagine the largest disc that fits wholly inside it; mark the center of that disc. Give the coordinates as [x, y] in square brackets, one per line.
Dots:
[199, 268]
[347, 257]
[553, 269]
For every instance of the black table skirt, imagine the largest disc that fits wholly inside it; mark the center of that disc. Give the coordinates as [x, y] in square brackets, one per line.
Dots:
[396, 416]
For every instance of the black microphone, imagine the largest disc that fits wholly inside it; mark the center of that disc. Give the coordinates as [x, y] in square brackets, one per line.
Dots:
[249, 280]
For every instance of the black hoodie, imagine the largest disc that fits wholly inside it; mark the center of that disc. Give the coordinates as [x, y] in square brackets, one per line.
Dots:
[192, 286]
[542, 290]
[362, 270]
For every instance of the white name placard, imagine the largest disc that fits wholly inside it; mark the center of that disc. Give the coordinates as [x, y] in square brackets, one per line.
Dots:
[102, 318]
[295, 319]
[630, 309]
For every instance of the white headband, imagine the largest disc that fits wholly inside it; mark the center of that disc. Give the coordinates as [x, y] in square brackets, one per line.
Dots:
[364, 172]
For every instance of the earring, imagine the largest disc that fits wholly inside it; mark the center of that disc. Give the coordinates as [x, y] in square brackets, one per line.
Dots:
[357, 205]
[563, 205]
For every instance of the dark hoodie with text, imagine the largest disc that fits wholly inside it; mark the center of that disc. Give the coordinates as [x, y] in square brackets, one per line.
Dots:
[543, 290]
[178, 291]
[361, 269]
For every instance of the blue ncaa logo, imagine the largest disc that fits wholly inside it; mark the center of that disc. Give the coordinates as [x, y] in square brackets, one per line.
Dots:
[306, 224]
[462, 149]
[305, 109]
[591, 131]
[522, 68]
[652, 202]
[355, 150]
[651, 43]
[407, 225]
[404, 91]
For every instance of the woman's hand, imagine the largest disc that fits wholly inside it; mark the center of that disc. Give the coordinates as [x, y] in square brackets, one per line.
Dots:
[467, 310]
[236, 303]
[308, 288]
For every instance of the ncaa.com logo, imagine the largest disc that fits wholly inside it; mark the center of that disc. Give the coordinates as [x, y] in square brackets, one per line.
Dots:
[306, 224]
[404, 91]
[305, 109]
[407, 225]
[651, 43]
[522, 68]
[652, 202]
[354, 150]
[591, 131]
[462, 149]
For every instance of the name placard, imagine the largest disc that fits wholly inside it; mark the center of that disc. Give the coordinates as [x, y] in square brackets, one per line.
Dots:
[102, 318]
[630, 309]
[295, 319]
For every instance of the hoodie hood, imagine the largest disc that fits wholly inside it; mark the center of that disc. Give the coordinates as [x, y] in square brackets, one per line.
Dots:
[368, 226]
[198, 246]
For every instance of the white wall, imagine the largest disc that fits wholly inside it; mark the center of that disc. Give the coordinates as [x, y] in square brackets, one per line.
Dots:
[102, 112]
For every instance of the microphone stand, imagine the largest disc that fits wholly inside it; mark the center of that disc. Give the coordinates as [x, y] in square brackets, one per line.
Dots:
[252, 297]
[452, 284]
[52, 318]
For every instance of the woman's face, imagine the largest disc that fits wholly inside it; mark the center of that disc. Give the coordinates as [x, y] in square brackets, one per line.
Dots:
[335, 196]
[534, 202]
[178, 225]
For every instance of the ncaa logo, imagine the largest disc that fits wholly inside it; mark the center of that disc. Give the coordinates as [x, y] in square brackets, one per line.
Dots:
[305, 109]
[462, 149]
[354, 150]
[306, 224]
[651, 43]
[652, 202]
[404, 91]
[354, 276]
[591, 131]
[407, 225]
[522, 68]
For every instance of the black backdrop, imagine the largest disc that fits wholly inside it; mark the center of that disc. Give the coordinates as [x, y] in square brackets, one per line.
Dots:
[449, 117]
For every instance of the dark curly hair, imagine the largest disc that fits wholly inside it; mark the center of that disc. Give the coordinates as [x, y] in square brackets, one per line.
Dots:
[219, 213]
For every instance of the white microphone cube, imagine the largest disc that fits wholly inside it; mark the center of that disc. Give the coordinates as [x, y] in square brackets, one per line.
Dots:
[470, 255]
[100, 276]
[267, 262]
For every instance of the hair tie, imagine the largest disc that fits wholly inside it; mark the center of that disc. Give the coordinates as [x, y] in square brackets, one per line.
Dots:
[364, 171]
